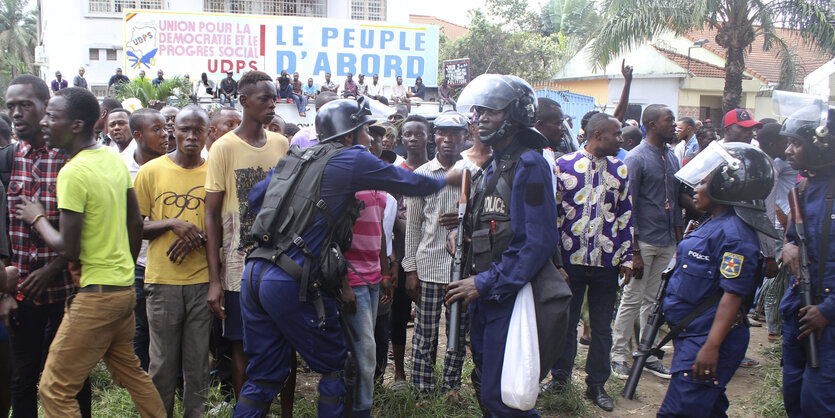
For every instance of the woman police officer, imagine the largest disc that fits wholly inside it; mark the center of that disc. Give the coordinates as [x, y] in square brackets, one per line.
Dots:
[716, 268]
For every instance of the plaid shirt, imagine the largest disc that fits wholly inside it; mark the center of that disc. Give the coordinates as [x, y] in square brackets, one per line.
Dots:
[34, 175]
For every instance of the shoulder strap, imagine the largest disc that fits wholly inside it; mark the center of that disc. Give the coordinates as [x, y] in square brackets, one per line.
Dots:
[678, 328]
[829, 201]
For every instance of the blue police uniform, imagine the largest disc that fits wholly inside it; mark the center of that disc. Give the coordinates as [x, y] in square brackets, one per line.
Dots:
[722, 254]
[807, 391]
[290, 324]
[533, 219]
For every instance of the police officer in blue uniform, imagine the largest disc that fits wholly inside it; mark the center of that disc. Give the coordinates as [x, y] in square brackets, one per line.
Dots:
[716, 267]
[514, 227]
[276, 320]
[807, 391]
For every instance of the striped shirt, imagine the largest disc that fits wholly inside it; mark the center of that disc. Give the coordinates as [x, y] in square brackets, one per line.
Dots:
[366, 245]
[425, 237]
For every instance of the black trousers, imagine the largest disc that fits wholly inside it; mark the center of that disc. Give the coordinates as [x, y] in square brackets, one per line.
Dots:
[31, 335]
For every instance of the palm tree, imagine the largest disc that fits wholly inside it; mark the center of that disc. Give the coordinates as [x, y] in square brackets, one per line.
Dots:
[175, 89]
[738, 24]
[18, 36]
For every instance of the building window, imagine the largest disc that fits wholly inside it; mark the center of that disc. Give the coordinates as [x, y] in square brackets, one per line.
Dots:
[368, 10]
[119, 6]
[111, 55]
[94, 54]
[307, 8]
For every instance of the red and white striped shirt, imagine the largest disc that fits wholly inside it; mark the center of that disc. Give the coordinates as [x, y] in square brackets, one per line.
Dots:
[364, 254]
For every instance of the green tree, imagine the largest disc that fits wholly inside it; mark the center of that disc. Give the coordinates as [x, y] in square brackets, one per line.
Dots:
[738, 23]
[18, 36]
[492, 49]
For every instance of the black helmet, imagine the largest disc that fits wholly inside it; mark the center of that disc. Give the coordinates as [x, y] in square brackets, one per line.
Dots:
[341, 117]
[511, 94]
[742, 177]
[750, 179]
[816, 133]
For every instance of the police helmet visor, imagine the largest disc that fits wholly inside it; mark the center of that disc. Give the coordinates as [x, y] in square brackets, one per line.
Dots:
[798, 110]
[705, 162]
[487, 90]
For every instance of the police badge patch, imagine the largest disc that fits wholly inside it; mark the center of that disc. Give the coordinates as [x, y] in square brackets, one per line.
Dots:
[731, 265]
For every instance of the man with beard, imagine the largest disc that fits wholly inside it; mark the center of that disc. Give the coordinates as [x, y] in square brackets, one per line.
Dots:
[657, 224]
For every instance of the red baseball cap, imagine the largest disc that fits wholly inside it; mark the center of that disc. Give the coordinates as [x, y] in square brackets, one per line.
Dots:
[742, 118]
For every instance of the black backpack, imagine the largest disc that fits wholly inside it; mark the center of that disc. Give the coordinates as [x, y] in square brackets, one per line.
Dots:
[291, 204]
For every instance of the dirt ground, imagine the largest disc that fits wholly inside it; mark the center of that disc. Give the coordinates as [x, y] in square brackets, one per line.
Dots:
[651, 390]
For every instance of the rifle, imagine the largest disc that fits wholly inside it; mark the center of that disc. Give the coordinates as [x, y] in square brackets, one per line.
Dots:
[804, 282]
[654, 322]
[458, 262]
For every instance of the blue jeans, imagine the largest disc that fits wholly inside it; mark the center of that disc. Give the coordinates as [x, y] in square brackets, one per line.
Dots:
[141, 336]
[282, 323]
[362, 322]
[602, 284]
[300, 101]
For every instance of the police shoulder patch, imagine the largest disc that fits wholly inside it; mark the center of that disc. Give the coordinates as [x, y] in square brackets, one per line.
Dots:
[731, 265]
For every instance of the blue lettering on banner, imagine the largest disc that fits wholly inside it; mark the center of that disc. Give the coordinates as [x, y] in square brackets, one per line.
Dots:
[394, 66]
[297, 35]
[322, 64]
[386, 36]
[420, 41]
[347, 64]
[366, 39]
[370, 64]
[327, 34]
[349, 38]
[414, 67]
[279, 33]
[285, 60]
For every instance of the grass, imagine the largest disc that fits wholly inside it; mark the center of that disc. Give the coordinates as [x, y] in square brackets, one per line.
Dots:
[768, 400]
[110, 400]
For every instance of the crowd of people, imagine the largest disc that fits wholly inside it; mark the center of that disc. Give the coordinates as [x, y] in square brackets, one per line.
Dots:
[225, 91]
[187, 248]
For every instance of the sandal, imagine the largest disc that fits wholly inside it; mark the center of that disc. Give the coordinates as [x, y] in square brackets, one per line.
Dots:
[773, 338]
[749, 362]
[399, 385]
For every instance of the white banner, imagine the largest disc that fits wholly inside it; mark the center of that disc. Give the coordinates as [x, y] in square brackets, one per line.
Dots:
[194, 43]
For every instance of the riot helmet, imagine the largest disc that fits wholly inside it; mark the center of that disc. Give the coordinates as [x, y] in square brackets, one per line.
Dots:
[450, 119]
[341, 117]
[511, 94]
[811, 121]
[739, 175]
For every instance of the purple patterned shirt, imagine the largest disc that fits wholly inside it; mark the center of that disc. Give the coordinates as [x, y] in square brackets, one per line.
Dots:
[594, 210]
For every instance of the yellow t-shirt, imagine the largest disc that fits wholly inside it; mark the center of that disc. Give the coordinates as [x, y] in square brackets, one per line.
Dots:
[95, 183]
[234, 167]
[165, 191]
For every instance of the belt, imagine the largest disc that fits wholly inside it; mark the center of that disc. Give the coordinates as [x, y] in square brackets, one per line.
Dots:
[102, 288]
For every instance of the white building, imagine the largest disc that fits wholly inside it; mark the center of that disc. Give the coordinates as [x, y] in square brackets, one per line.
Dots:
[88, 33]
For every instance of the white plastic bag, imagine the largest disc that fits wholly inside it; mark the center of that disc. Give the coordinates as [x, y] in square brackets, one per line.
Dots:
[520, 369]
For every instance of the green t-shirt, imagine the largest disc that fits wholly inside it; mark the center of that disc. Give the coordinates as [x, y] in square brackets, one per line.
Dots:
[95, 183]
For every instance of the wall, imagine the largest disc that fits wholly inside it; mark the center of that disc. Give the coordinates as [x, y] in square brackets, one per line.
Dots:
[644, 91]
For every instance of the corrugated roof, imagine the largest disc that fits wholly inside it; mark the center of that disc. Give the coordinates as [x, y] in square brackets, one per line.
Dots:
[765, 65]
[698, 68]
